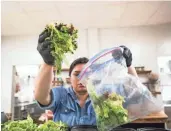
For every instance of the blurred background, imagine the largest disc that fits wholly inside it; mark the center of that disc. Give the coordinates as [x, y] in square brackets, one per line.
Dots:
[143, 26]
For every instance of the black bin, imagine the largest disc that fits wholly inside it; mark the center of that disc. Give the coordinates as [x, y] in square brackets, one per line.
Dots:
[84, 128]
[151, 129]
[123, 129]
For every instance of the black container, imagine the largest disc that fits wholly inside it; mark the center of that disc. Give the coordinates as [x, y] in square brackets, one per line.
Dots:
[84, 128]
[94, 128]
[151, 129]
[123, 129]
[4, 118]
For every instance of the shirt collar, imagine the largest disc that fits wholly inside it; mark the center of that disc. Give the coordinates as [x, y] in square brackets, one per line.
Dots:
[88, 99]
[73, 95]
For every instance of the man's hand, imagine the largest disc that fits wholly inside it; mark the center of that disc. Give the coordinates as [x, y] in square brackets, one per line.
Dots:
[44, 48]
[127, 55]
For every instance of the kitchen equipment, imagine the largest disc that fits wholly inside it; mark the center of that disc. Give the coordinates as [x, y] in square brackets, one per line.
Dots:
[4, 118]
[84, 128]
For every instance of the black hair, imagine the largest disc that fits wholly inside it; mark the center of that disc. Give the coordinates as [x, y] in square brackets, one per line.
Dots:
[81, 60]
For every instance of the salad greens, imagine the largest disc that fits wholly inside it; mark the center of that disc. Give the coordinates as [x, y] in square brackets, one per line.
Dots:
[20, 125]
[52, 126]
[63, 40]
[108, 108]
[28, 125]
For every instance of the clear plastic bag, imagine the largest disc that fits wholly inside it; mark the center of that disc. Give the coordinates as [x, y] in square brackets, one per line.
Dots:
[117, 97]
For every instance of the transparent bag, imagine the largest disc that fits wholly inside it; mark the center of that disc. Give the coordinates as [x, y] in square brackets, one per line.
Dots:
[117, 97]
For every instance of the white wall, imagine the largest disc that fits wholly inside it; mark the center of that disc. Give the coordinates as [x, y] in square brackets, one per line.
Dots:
[15, 51]
[139, 40]
[164, 44]
[21, 50]
[146, 43]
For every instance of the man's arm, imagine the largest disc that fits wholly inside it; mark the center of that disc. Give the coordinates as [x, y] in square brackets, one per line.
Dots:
[132, 71]
[44, 79]
[43, 84]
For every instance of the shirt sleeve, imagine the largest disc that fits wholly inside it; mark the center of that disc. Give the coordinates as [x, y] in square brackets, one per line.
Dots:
[55, 99]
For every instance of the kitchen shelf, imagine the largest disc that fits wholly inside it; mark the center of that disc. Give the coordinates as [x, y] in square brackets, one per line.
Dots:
[139, 67]
[143, 72]
[155, 92]
[57, 83]
[64, 69]
[159, 117]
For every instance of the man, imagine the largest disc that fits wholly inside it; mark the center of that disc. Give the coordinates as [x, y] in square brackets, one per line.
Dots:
[69, 105]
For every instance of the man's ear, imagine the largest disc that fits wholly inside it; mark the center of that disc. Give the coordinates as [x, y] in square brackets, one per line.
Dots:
[68, 80]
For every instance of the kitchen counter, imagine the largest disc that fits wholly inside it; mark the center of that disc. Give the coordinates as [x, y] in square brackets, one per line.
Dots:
[159, 117]
[155, 120]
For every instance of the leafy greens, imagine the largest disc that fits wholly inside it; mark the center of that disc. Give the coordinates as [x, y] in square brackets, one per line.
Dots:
[20, 125]
[108, 108]
[28, 125]
[63, 40]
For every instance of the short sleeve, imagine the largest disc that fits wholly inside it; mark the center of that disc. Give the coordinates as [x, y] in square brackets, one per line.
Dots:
[55, 99]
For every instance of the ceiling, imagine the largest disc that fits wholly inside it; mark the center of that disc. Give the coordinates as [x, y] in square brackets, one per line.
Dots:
[27, 18]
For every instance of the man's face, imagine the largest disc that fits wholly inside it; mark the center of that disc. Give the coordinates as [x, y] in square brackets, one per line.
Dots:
[77, 86]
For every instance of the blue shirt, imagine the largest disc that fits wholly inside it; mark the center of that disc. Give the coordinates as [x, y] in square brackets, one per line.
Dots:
[65, 107]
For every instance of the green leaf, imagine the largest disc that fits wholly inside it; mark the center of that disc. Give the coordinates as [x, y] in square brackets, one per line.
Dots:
[63, 40]
[109, 110]
[28, 125]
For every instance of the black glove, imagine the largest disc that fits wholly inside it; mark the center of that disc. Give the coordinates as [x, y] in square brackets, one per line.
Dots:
[44, 49]
[127, 55]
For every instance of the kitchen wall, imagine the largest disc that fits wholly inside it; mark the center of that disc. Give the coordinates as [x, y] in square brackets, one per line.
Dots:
[21, 50]
[146, 43]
